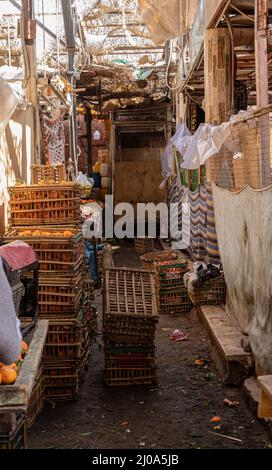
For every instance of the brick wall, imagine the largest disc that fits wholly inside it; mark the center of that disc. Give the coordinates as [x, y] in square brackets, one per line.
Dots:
[102, 143]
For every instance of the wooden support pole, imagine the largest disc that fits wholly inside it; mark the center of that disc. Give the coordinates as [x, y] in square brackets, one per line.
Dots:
[218, 86]
[28, 38]
[218, 97]
[261, 64]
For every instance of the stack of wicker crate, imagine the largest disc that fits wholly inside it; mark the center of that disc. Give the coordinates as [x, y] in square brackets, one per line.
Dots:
[129, 324]
[39, 215]
[172, 294]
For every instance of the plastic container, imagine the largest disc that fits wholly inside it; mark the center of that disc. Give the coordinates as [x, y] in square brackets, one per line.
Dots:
[104, 170]
[96, 167]
[97, 180]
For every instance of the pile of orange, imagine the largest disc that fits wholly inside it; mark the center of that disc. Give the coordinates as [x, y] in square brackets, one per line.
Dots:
[8, 374]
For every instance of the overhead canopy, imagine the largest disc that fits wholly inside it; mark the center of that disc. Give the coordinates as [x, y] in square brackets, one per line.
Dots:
[168, 19]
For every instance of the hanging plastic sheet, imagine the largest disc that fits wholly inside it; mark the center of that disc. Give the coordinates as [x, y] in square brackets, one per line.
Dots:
[168, 162]
[242, 223]
[207, 142]
[8, 102]
[182, 138]
[168, 19]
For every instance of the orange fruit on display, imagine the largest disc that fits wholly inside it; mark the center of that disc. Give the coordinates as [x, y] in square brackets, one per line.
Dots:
[11, 366]
[24, 346]
[8, 375]
[216, 419]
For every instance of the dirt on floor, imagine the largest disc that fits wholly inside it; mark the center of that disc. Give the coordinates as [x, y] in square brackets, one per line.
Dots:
[175, 414]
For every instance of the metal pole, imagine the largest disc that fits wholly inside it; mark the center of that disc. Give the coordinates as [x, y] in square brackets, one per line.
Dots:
[89, 139]
[70, 27]
[28, 38]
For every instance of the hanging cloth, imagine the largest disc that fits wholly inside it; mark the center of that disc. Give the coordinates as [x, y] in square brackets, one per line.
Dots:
[54, 138]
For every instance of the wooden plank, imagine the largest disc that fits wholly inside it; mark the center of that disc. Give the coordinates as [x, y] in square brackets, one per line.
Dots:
[16, 396]
[265, 406]
[13, 396]
[218, 12]
[266, 384]
[226, 336]
[30, 366]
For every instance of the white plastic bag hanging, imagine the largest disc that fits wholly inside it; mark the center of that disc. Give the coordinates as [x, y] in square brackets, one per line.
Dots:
[181, 139]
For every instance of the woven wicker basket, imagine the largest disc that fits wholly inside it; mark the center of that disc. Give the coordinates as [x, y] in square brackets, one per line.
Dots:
[54, 204]
[149, 260]
[211, 292]
[48, 174]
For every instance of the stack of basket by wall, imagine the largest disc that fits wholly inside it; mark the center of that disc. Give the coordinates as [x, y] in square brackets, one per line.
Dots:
[169, 269]
[39, 215]
[129, 324]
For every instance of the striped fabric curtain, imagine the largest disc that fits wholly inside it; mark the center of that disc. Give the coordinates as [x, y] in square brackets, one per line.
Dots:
[198, 216]
[212, 243]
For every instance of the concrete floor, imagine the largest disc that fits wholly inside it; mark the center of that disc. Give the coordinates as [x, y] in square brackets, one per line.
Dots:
[175, 414]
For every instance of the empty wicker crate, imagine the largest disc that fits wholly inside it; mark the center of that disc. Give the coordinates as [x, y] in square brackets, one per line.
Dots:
[143, 245]
[64, 330]
[119, 372]
[66, 338]
[130, 306]
[175, 302]
[44, 205]
[61, 379]
[58, 250]
[59, 393]
[210, 292]
[60, 295]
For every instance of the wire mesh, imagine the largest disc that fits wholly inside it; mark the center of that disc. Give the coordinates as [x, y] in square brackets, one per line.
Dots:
[251, 163]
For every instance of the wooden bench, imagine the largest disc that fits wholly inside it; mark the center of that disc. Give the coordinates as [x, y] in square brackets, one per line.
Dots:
[265, 404]
[232, 362]
[15, 398]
